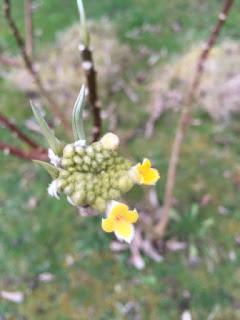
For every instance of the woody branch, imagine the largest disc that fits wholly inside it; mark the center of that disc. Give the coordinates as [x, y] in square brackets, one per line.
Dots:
[185, 116]
[53, 106]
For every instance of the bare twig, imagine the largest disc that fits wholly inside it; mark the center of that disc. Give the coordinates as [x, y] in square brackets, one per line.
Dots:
[55, 109]
[185, 118]
[17, 132]
[28, 26]
[36, 154]
[90, 72]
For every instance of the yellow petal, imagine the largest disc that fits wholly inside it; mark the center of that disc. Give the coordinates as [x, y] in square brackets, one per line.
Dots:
[117, 209]
[107, 225]
[146, 164]
[131, 216]
[150, 177]
[124, 231]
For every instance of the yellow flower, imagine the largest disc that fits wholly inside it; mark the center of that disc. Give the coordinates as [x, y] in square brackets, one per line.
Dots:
[120, 221]
[142, 173]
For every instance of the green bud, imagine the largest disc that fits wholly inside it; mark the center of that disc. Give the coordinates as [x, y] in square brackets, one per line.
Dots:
[110, 162]
[66, 162]
[78, 176]
[71, 169]
[114, 194]
[97, 146]
[68, 151]
[87, 160]
[94, 164]
[77, 159]
[68, 190]
[119, 160]
[125, 184]
[90, 151]
[112, 173]
[106, 154]
[89, 186]
[100, 204]
[90, 197]
[70, 178]
[64, 173]
[85, 168]
[104, 194]
[80, 186]
[80, 150]
[99, 158]
[78, 197]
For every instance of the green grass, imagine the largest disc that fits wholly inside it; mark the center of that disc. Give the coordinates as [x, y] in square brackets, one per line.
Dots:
[38, 239]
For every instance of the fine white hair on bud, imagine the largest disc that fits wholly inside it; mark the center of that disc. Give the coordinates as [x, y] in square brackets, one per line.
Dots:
[54, 159]
[80, 143]
[110, 141]
[53, 189]
[70, 201]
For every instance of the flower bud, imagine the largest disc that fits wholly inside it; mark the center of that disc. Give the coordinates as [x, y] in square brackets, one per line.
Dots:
[68, 190]
[97, 146]
[85, 168]
[99, 158]
[90, 197]
[79, 150]
[78, 197]
[90, 151]
[125, 183]
[77, 159]
[64, 173]
[114, 194]
[66, 162]
[87, 160]
[94, 165]
[100, 204]
[110, 141]
[68, 151]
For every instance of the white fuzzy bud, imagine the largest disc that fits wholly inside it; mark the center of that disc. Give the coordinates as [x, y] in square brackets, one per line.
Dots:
[53, 189]
[54, 159]
[110, 141]
[68, 151]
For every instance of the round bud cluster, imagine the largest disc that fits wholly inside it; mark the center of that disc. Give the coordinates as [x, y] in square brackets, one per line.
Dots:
[93, 175]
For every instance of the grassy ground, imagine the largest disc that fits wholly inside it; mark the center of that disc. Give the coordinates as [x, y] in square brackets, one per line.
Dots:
[39, 235]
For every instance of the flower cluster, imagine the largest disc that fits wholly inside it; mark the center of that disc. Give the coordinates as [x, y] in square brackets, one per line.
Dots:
[91, 175]
[95, 175]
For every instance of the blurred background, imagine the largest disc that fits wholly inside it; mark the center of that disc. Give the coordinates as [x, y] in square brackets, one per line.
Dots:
[56, 264]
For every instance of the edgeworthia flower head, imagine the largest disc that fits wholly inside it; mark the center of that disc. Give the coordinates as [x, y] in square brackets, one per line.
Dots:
[94, 174]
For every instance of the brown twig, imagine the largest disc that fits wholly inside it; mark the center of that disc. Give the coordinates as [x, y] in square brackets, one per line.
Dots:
[55, 109]
[36, 154]
[184, 119]
[90, 73]
[18, 133]
[28, 26]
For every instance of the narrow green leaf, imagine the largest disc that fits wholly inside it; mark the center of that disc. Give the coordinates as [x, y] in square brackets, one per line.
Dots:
[53, 171]
[77, 118]
[85, 37]
[53, 142]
